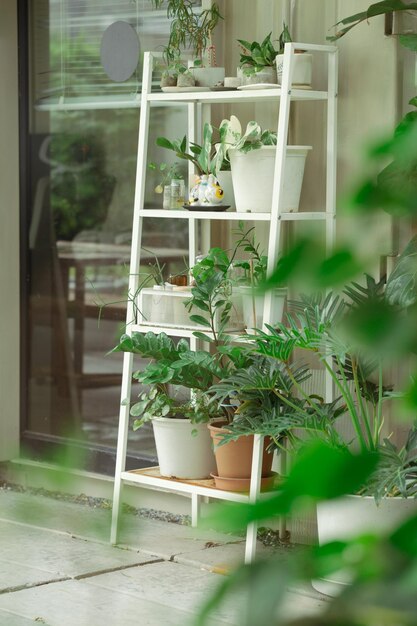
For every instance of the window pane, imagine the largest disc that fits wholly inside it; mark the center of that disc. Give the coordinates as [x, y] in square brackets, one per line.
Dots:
[82, 180]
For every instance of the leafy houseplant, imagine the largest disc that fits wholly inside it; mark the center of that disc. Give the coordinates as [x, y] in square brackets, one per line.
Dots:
[257, 61]
[302, 62]
[178, 366]
[207, 189]
[252, 158]
[253, 274]
[210, 305]
[167, 174]
[191, 29]
[324, 327]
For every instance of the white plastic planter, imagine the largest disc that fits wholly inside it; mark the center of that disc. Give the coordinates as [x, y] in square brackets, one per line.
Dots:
[157, 306]
[166, 309]
[207, 76]
[253, 176]
[253, 307]
[302, 72]
[184, 449]
[347, 517]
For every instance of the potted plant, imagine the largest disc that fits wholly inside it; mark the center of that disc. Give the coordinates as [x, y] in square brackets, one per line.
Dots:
[255, 398]
[257, 62]
[192, 29]
[213, 293]
[210, 309]
[168, 173]
[323, 326]
[252, 159]
[253, 272]
[302, 62]
[206, 190]
[210, 305]
[179, 424]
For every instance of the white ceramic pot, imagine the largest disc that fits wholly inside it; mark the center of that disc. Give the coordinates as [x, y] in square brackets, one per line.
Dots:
[253, 307]
[253, 176]
[226, 183]
[184, 449]
[302, 71]
[347, 517]
[207, 76]
[266, 75]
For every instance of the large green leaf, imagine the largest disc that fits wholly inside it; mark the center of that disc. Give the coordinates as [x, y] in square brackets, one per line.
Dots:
[379, 8]
[401, 286]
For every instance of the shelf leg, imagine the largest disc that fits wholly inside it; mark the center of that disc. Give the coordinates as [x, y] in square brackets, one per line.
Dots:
[121, 447]
[255, 487]
[195, 509]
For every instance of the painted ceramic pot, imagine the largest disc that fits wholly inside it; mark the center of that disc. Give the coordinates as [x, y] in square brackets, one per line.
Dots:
[206, 191]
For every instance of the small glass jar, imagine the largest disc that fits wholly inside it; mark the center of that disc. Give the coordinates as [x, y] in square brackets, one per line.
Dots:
[166, 198]
[177, 193]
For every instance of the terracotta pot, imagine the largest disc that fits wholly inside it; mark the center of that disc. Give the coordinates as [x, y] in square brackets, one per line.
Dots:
[234, 459]
[242, 485]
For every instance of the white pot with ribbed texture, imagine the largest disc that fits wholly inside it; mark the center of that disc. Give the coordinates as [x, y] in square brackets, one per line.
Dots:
[253, 177]
[184, 449]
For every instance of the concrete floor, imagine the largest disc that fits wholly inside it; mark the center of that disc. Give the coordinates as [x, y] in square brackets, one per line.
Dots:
[57, 568]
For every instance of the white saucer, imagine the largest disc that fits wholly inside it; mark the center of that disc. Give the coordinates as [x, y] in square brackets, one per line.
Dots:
[183, 89]
[258, 86]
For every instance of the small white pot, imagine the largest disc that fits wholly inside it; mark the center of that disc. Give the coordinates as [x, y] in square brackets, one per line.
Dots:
[253, 176]
[184, 449]
[207, 76]
[347, 517]
[302, 70]
[253, 307]
[266, 75]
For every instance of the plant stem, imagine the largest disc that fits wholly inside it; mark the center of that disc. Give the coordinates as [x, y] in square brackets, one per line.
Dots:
[364, 409]
[378, 418]
[344, 390]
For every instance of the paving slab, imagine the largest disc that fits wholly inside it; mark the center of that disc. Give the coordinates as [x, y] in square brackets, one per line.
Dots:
[296, 605]
[79, 603]
[151, 536]
[171, 584]
[8, 618]
[33, 556]
[55, 577]
[147, 535]
[44, 512]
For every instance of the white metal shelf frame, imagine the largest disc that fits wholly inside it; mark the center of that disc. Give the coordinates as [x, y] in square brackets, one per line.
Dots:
[195, 101]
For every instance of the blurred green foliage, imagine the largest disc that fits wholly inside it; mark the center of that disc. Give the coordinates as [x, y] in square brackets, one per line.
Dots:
[382, 326]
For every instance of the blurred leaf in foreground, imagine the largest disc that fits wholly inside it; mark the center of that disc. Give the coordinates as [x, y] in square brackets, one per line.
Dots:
[320, 472]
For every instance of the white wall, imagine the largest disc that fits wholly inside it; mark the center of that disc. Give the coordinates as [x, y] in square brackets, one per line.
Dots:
[9, 234]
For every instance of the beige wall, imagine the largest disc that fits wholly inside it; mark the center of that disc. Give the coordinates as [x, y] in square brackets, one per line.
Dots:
[369, 94]
[9, 234]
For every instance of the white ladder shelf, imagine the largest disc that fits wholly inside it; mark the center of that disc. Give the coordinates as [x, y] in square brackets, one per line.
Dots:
[194, 101]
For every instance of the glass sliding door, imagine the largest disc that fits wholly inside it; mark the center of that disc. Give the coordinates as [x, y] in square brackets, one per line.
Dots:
[79, 176]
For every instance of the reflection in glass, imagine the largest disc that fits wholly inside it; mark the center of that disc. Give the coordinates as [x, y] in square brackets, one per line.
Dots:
[83, 142]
